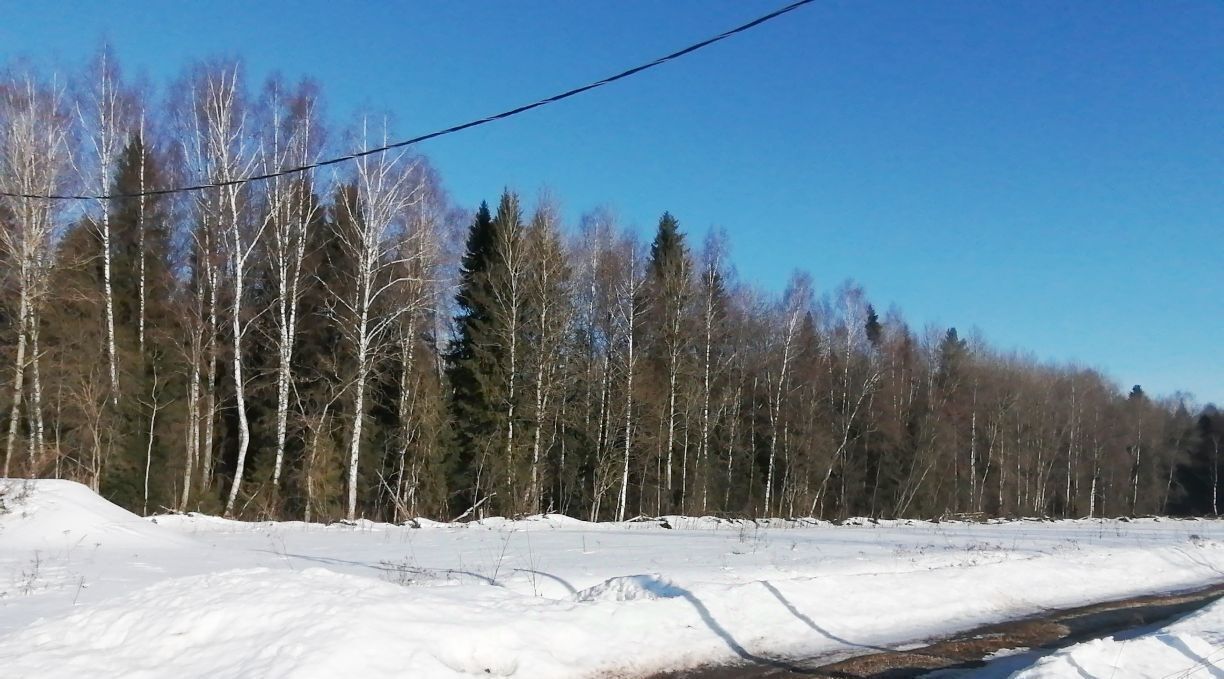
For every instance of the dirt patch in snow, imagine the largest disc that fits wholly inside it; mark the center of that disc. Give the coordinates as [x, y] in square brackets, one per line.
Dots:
[969, 650]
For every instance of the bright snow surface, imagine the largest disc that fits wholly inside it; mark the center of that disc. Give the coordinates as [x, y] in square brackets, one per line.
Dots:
[90, 590]
[1190, 647]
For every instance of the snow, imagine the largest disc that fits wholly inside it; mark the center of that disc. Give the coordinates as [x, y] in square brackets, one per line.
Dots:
[90, 590]
[630, 588]
[1190, 647]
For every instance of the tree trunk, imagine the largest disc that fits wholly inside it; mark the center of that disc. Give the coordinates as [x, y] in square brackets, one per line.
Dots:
[110, 305]
[149, 443]
[140, 227]
[363, 359]
[36, 413]
[238, 261]
[622, 500]
[192, 454]
[23, 320]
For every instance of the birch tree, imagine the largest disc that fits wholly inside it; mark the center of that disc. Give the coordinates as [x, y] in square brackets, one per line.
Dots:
[373, 209]
[859, 374]
[292, 138]
[34, 156]
[419, 296]
[548, 289]
[503, 349]
[713, 360]
[630, 308]
[795, 305]
[104, 115]
[595, 256]
[221, 151]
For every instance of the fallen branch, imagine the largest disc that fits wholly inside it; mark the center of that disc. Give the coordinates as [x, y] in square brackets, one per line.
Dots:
[473, 508]
[394, 497]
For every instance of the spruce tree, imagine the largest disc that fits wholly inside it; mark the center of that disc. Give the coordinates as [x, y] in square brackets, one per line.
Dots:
[144, 327]
[470, 408]
[321, 369]
[952, 353]
[670, 290]
[142, 436]
[139, 231]
[667, 251]
[872, 327]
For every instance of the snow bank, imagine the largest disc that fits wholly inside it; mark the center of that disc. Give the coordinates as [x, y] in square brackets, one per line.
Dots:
[258, 623]
[89, 590]
[52, 514]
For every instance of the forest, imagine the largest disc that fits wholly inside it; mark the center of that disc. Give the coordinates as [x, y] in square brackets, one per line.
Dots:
[344, 342]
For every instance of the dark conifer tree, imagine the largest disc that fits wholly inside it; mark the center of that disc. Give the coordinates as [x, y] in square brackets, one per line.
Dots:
[952, 351]
[469, 405]
[145, 318]
[873, 328]
[668, 339]
[668, 250]
[321, 368]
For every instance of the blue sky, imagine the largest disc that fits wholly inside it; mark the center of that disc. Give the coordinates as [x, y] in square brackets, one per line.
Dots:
[1051, 173]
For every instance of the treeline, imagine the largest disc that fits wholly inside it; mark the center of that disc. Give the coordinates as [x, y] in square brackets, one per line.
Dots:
[345, 342]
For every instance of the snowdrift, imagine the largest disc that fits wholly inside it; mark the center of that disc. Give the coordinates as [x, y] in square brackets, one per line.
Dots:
[54, 514]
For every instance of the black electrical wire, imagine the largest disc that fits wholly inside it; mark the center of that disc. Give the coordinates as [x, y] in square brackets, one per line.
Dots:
[439, 133]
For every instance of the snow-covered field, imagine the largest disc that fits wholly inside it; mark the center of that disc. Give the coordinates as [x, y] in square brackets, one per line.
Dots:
[90, 590]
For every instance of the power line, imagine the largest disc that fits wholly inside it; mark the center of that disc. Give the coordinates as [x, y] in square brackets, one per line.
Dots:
[439, 133]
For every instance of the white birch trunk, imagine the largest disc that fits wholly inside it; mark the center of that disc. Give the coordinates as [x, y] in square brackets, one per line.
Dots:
[703, 446]
[406, 399]
[238, 262]
[671, 419]
[358, 418]
[23, 315]
[110, 308]
[210, 397]
[153, 407]
[1215, 475]
[775, 406]
[192, 453]
[291, 209]
[624, 484]
[36, 413]
[629, 313]
[140, 227]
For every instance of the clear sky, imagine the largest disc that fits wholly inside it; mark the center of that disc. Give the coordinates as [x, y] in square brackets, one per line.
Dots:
[1051, 173]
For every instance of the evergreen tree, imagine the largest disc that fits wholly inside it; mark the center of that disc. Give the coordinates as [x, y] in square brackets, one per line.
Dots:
[145, 326]
[470, 409]
[873, 328]
[322, 368]
[667, 251]
[86, 429]
[472, 299]
[669, 338]
[484, 361]
[952, 353]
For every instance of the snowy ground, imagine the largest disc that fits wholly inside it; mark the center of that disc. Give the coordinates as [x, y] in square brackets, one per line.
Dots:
[90, 590]
[1190, 647]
